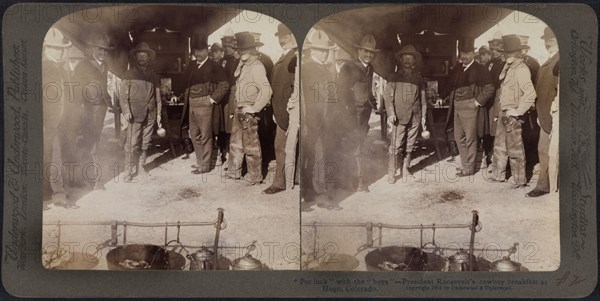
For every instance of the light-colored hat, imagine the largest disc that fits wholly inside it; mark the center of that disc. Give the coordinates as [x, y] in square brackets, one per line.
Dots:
[368, 43]
[55, 38]
[320, 40]
[228, 38]
[496, 41]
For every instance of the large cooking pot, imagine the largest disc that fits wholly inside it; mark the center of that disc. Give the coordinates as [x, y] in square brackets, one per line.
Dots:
[395, 258]
[143, 257]
[505, 265]
[459, 262]
[248, 263]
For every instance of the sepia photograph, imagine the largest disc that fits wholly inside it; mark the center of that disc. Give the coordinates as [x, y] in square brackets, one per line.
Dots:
[167, 129]
[429, 140]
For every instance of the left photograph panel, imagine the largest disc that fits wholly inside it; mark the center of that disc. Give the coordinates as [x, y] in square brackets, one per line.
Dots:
[169, 140]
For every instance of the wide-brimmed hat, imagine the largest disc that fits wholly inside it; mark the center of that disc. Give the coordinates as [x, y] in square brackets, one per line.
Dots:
[408, 50]
[246, 40]
[101, 40]
[483, 50]
[216, 47]
[512, 43]
[282, 30]
[466, 44]
[496, 41]
[320, 40]
[548, 34]
[55, 38]
[142, 47]
[228, 38]
[74, 53]
[368, 43]
[199, 41]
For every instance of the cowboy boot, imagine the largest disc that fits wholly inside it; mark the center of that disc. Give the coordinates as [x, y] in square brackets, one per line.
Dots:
[142, 162]
[362, 186]
[399, 162]
[391, 168]
[129, 167]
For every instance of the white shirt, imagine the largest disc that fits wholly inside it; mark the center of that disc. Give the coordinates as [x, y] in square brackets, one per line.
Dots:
[364, 64]
[202, 63]
[467, 66]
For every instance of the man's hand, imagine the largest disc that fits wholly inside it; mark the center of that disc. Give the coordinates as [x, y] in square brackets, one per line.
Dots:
[392, 119]
[423, 121]
[159, 120]
[128, 117]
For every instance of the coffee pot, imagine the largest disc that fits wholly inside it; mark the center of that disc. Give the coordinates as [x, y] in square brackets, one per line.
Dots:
[459, 262]
[201, 260]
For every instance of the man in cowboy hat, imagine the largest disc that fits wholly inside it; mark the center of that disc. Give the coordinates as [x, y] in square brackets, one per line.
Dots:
[93, 92]
[355, 90]
[141, 106]
[282, 82]
[53, 75]
[252, 94]
[546, 87]
[472, 87]
[508, 144]
[230, 62]
[206, 84]
[317, 86]
[531, 130]
[406, 107]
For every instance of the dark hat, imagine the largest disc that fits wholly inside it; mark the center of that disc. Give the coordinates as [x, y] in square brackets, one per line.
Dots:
[199, 41]
[246, 40]
[368, 43]
[548, 34]
[282, 30]
[484, 50]
[410, 50]
[216, 47]
[512, 43]
[142, 47]
[466, 44]
[101, 40]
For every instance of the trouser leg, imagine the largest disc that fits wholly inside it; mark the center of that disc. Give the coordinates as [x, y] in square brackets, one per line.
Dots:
[236, 150]
[280, 169]
[500, 152]
[543, 183]
[132, 146]
[252, 150]
[553, 172]
[516, 153]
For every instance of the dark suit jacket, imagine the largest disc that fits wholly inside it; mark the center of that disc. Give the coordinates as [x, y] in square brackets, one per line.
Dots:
[476, 82]
[545, 88]
[318, 91]
[282, 82]
[209, 80]
[356, 84]
[93, 83]
[267, 62]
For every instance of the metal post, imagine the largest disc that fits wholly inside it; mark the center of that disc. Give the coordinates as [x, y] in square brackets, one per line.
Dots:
[369, 234]
[474, 223]
[218, 232]
[113, 233]
[125, 233]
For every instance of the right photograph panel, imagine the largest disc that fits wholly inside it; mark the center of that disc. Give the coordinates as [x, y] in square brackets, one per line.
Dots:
[429, 140]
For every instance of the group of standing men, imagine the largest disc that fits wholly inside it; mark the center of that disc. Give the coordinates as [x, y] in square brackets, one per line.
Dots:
[238, 87]
[489, 103]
